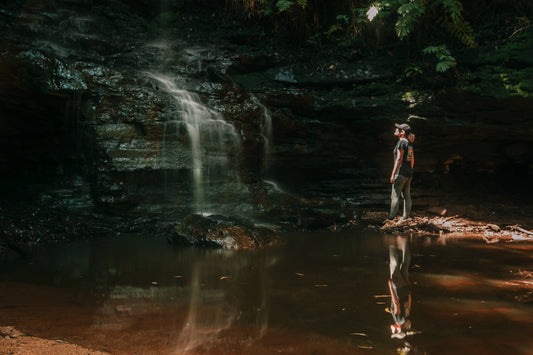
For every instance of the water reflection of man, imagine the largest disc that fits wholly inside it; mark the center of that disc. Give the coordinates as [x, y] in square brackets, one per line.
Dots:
[399, 286]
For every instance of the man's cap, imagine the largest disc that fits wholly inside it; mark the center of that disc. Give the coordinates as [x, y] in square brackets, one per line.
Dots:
[403, 126]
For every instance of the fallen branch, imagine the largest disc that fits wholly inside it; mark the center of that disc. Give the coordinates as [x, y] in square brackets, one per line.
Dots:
[517, 228]
[519, 30]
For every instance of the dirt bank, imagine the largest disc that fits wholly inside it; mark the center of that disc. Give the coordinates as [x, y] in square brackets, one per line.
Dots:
[14, 342]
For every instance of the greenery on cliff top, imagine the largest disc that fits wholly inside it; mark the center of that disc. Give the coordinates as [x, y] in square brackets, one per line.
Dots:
[485, 47]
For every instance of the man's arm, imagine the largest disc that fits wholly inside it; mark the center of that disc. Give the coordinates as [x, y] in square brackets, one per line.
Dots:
[397, 164]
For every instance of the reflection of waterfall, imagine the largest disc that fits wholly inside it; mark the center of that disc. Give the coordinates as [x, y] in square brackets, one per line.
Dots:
[212, 141]
[209, 314]
[227, 289]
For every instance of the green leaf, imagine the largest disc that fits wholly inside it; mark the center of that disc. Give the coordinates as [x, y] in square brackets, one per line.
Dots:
[343, 18]
[441, 67]
[409, 14]
[433, 49]
[445, 61]
[302, 3]
[284, 5]
[333, 28]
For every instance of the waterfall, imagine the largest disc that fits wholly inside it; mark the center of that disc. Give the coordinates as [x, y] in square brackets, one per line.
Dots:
[212, 142]
[266, 125]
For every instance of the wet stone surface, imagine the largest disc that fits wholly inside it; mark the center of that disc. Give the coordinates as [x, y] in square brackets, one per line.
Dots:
[222, 232]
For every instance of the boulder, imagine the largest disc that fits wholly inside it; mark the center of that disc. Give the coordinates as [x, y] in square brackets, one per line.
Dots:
[222, 232]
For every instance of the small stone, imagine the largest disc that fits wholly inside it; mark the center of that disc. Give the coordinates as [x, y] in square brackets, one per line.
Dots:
[10, 332]
[494, 227]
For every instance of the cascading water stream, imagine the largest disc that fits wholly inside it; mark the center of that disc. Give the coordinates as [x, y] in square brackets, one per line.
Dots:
[212, 141]
[266, 126]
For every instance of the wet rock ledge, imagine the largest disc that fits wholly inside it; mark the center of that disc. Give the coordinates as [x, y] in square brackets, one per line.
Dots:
[458, 226]
[221, 232]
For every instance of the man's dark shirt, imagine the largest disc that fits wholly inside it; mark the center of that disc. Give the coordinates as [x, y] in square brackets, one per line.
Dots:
[405, 169]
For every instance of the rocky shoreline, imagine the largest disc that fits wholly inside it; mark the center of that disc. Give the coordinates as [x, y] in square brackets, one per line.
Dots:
[13, 341]
[27, 231]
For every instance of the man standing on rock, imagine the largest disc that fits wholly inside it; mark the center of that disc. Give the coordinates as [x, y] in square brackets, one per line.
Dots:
[402, 173]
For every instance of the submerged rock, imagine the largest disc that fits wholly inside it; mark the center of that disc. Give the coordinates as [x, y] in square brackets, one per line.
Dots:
[222, 232]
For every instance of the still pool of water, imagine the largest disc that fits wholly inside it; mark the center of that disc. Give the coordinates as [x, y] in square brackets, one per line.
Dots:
[321, 293]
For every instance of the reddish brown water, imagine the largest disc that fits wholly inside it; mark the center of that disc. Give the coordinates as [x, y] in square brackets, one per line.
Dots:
[322, 293]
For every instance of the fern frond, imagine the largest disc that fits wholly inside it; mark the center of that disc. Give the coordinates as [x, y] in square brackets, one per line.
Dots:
[302, 3]
[454, 23]
[284, 5]
[409, 14]
[441, 67]
[445, 61]
[432, 49]
[453, 8]
[460, 30]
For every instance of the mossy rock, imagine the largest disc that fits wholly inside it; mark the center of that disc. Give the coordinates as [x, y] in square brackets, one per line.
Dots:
[522, 53]
[516, 52]
[501, 82]
[527, 85]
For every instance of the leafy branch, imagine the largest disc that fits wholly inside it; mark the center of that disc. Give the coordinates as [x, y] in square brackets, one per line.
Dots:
[445, 61]
[454, 23]
[409, 15]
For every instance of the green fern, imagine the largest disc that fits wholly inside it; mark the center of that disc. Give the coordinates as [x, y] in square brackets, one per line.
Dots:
[284, 5]
[302, 3]
[342, 18]
[445, 61]
[453, 8]
[409, 15]
[441, 67]
[454, 23]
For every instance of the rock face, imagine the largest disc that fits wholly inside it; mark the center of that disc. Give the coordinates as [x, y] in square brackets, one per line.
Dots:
[141, 117]
[101, 93]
